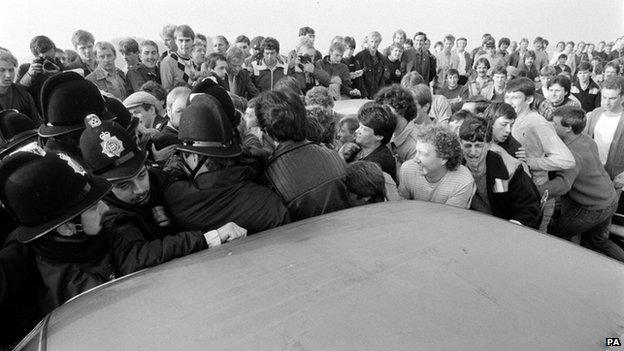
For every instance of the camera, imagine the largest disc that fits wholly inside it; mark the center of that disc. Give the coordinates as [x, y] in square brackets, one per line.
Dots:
[48, 66]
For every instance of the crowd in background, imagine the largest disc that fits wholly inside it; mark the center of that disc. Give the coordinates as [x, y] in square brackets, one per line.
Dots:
[107, 170]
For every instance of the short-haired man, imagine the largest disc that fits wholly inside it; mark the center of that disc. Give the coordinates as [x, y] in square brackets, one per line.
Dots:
[517, 57]
[499, 76]
[243, 43]
[424, 62]
[168, 38]
[542, 150]
[611, 69]
[585, 89]
[269, 68]
[129, 50]
[147, 69]
[403, 142]
[606, 125]
[504, 189]
[451, 89]
[302, 68]
[239, 79]
[309, 178]
[436, 174]
[176, 104]
[308, 34]
[216, 66]
[588, 198]
[372, 62]
[465, 60]
[107, 76]
[446, 59]
[12, 95]
[177, 69]
[83, 43]
[541, 56]
[527, 67]
[558, 95]
[334, 67]
[217, 188]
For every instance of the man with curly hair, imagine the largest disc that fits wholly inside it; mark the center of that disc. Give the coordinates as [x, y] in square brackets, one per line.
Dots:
[436, 174]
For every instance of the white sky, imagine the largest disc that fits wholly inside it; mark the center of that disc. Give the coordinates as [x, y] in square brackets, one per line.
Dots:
[588, 20]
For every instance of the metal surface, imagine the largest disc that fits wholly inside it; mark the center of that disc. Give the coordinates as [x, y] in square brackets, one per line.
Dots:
[349, 107]
[394, 276]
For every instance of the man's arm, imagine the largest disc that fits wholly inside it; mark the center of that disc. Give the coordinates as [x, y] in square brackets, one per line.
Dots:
[168, 66]
[557, 155]
[461, 198]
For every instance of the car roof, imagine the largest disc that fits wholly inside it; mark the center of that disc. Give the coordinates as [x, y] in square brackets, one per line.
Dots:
[400, 275]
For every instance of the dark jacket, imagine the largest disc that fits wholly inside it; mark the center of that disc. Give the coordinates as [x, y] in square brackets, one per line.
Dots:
[353, 65]
[375, 74]
[590, 97]
[520, 199]
[425, 64]
[228, 195]
[166, 137]
[20, 286]
[615, 161]
[309, 178]
[383, 157]
[242, 85]
[139, 75]
[336, 70]
[72, 265]
[511, 145]
[18, 98]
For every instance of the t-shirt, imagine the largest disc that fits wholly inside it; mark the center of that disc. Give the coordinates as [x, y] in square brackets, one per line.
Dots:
[455, 188]
[603, 134]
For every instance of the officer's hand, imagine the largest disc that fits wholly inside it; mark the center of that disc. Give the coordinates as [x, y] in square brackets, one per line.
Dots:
[162, 154]
[231, 231]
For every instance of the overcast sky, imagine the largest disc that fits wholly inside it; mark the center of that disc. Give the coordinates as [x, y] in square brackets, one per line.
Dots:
[588, 20]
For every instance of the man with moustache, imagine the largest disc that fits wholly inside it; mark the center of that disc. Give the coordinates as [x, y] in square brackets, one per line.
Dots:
[147, 69]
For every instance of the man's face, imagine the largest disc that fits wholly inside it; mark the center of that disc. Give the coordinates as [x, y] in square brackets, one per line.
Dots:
[169, 42]
[149, 56]
[395, 54]
[62, 57]
[474, 153]
[481, 70]
[131, 58]
[106, 59]
[220, 69]
[490, 51]
[517, 100]
[528, 60]
[234, 65]
[461, 45]
[373, 43]
[556, 93]
[399, 39]
[452, 80]
[569, 48]
[133, 191]
[581, 47]
[609, 72]
[335, 56]
[499, 79]
[184, 44]
[219, 46]
[559, 128]
[348, 52]
[365, 136]
[250, 118]
[427, 158]
[175, 111]
[524, 45]
[7, 74]
[611, 100]
[448, 45]
[344, 134]
[583, 76]
[562, 60]
[419, 42]
[504, 47]
[501, 128]
[427, 44]
[85, 51]
[91, 218]
[545, 79]
[199, 54]
[601, 46]
[537, 45]
[590, 48]
[145, 116]
[270, 56]
[243, 46]
[311, 37]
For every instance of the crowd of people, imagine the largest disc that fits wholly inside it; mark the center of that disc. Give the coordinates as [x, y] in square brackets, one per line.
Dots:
[107, 170]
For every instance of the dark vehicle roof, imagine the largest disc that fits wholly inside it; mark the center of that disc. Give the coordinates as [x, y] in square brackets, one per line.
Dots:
[394, 276]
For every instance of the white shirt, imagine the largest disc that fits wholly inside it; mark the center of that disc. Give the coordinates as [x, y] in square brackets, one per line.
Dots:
[462, 64]
[603, 134]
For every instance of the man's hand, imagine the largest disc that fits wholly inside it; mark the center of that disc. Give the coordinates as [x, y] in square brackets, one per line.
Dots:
[521, 154]
[355, 92]
[231, 231]
[35, 68]
[618, 181]
[335, 80]
[348, 149]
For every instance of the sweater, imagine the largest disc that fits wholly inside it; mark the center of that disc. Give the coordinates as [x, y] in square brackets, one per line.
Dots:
[587, 183]
[455, 188]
